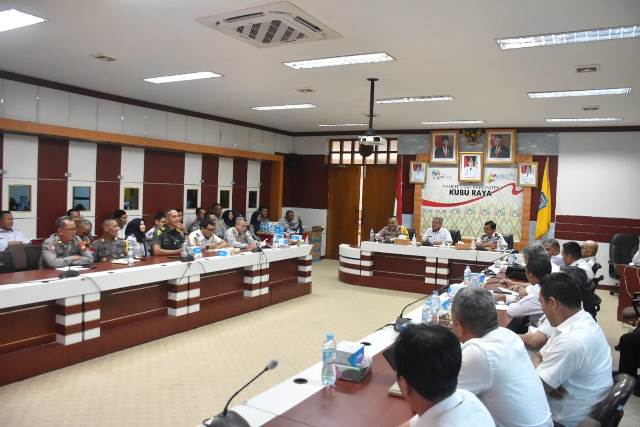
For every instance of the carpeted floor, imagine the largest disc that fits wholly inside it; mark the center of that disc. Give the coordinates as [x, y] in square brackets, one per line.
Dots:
[179, 380]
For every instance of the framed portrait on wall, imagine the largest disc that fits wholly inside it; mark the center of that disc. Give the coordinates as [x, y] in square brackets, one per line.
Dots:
[444, 147]
[471, 167]
[81, 198]
[417, 172]
[20, 198]
[501, 146]
[528, 174]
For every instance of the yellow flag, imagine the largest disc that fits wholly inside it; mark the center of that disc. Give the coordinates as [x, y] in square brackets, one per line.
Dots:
[543, 221]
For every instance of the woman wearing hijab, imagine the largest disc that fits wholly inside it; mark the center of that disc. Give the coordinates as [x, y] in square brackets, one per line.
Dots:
[254, 224]
[229, 219]
[134, 234]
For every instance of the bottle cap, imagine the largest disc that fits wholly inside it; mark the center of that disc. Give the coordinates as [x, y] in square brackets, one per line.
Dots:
[329, 335]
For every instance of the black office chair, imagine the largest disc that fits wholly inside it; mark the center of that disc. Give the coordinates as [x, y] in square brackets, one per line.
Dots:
[621, 250]
[18, 256]
[595, 267]
[6, 262]
[509, 239]
[34, 253]
[610, 410]
[590, 301]
[455, 236]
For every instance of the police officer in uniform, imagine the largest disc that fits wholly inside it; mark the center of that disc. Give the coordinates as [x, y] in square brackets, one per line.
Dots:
[64, 248]
[170, 239]
[109, 246]
[489, 240]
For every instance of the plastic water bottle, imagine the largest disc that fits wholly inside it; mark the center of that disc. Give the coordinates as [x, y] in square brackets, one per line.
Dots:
[467, 275]
[413, 240]
[130, 261]
[372, 236]
[184, 252]
[328, 361]
[427, 313]
[435, 307]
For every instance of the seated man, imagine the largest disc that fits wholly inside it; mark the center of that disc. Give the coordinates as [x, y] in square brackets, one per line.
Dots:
[239, 236]
[636, 258]
[218, 221]
[589, 250]
[495, 364]
[8, 234]
[572, 256]
[159, 221]
[74, 214]
[575, 363]
[121, 218]
[170, 239]
[289, 224]
[206, 237]
[553, 249]
[428, 359]
[195, 225]
[437, 234]
[109, 246]
[537, 266]
[264, 213]
[83, 230]
[489, 240]
[64, 248]
[392, 230]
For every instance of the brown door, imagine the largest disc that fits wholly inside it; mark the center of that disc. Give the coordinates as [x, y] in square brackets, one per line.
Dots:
[342, 215]
[378, 198]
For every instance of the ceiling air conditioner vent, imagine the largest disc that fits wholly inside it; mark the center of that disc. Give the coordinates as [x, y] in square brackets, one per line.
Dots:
[270, 25]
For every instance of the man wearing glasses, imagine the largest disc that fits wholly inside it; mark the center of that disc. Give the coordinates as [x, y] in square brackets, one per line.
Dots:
[64, 248]
[205, 236]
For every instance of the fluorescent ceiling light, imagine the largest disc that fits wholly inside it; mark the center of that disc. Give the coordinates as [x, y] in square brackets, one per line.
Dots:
[454, 122]
[366, 58]
[340, 125]
[183, 77]
[283, 107]
[414, 99]
[586, 92]
[11, 19]
[591, 119]
[583, 36]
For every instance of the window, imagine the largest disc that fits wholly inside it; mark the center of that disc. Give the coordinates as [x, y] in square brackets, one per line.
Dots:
[81, 198]
[20, 198]
[345, 152]
[192, 199]
[224, 199]
[131, 199]
[253, 199]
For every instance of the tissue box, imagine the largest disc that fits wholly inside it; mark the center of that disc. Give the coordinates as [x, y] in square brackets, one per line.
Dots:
[354, 373]
[223, 252]
[296, 237]
[349, 353]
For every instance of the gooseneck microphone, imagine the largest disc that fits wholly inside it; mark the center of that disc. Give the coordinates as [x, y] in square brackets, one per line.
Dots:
[65, 274]
[231, 418]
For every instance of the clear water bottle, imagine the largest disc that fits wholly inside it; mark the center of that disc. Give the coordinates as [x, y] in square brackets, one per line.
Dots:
[427, 312]
[413, 240]
[467, 275]
[435, 307]
[130, 261]
[184, 252]
[328, 361]
[372, 236]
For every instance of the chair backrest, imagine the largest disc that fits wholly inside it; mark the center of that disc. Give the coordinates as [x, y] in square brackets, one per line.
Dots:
[509, 239]
[595, 267]
[34, 252]
[610, 410]
[6, 262]
[621, 250]
[455, 236]
[19, 255]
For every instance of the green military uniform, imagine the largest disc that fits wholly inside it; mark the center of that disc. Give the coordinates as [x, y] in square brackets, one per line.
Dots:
[168, 238]
[108, 249]
[56, 253]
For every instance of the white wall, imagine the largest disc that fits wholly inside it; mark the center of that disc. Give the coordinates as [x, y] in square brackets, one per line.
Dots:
[598, 174]
[20, 162]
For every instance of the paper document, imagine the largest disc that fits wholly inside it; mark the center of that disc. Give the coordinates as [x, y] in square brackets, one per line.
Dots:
[73, 267]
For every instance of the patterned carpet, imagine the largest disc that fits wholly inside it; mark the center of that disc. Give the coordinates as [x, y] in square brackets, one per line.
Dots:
[179, 380]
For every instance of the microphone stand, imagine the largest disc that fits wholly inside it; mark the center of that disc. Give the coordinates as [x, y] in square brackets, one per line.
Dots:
[65, 274]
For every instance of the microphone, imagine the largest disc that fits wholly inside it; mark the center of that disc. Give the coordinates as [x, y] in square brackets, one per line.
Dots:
[65, 274]
[401, 321]
[231, 418]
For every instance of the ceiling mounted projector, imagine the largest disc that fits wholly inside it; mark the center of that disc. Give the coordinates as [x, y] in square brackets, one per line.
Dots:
[371, 140]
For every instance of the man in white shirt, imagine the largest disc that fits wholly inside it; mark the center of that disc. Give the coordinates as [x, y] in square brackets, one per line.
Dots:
[575, 363]
[9, 235]
[490, 239]
[589, 249]
[572, 256]
[537, 266]
[495, 364]
[205, 236]
[437, 234]
[553, 249]
[428, 359]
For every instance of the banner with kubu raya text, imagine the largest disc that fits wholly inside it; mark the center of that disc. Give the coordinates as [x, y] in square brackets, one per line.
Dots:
[466, 207]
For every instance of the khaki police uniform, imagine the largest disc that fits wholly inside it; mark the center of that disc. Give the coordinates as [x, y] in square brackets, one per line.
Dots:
[56, 253]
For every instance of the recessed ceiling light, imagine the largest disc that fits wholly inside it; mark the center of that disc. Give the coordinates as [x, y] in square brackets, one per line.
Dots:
[340, 125]
[11, 19]
[414, 99]
[283, 107]
[366, 58]
[582, 36]
[183, 77]
[586, 92]
[590, 108]
[454, 122]
[589, 119]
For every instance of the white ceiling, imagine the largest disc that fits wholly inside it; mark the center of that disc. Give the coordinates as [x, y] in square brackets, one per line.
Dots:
[441, 48]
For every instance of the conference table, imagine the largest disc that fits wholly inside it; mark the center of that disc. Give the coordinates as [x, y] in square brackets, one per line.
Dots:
[47, 323]
[409, 268]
